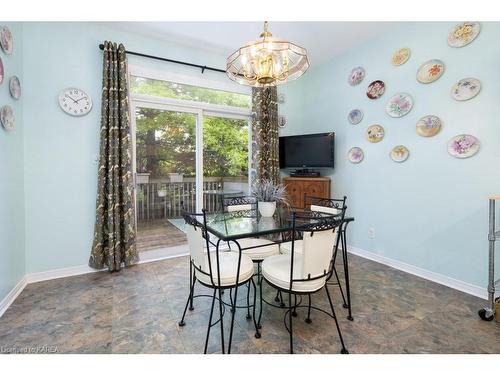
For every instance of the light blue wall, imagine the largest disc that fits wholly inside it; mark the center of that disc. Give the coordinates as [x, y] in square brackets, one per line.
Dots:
[60, 172]
[430, 211]
[11, 173]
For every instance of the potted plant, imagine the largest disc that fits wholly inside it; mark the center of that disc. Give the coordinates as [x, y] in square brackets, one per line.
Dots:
[268, 194]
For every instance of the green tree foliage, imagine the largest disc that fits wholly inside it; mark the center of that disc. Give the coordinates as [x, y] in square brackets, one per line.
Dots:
[166, 141]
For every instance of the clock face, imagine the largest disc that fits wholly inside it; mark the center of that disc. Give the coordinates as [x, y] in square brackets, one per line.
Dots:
[75, 102]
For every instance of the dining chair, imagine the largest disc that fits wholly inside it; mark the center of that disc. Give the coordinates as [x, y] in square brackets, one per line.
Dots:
[334, 207]
[306, 272]
[216, 270]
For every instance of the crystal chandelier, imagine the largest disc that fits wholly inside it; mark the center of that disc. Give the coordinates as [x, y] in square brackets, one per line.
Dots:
[268, 61]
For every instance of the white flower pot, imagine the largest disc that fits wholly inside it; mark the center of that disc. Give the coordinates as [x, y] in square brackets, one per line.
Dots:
[267, 209]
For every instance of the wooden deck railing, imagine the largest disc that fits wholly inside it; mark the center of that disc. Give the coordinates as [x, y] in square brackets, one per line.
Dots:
[164, 200]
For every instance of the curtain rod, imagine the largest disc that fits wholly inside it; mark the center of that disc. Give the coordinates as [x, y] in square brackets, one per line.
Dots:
[202, 67]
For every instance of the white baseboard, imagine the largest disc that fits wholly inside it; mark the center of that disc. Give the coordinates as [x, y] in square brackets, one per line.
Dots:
[12, 295]
[420, 272]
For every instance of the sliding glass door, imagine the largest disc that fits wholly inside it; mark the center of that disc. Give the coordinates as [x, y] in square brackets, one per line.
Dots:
[191, 146]
[172, 147]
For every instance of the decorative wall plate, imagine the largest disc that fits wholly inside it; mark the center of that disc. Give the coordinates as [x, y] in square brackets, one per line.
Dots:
[428, 126]
[281, 98]
[7, 117]
[355, 116]
[6, 40]
[375, 133]
[430, 71]
[463, 146]
[355, 155]
[282, 121]
[399, 154]
[356, 76]
[400, 56]
[15, 87]
[399, 105]
[465, 89]
[463, 34]
[375, 89]
[2, 71]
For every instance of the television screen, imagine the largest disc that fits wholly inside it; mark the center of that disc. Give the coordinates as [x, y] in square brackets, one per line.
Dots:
[309, 150]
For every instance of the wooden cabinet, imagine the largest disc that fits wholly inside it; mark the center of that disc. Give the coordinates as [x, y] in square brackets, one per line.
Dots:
[297, 187]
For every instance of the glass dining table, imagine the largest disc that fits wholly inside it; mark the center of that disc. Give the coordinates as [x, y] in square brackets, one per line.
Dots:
[232, 226]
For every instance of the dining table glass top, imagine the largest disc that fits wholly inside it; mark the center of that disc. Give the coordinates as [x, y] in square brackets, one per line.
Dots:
[249, 223]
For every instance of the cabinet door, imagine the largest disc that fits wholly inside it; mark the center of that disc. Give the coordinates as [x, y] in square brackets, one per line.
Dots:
[295, 193]
[315, 189]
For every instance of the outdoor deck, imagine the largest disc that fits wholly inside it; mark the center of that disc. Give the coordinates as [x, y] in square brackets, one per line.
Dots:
[156, 234]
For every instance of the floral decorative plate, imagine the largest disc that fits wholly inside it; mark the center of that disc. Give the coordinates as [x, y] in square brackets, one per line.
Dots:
[400, 56]
[375, 89]
[2, 71]
[15, 87]
[355, 116]
[463, 146]
[430, 71]
[281, 98]
[463, 34]
[375, 133]
[355, 155]
[7, 117]
[399, 105]
[356, 76]
[428, 126]
[6, 40]
[399, 154]
[466, 89]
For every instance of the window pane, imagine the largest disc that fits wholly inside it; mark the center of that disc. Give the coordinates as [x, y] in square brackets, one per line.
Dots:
[225, 157]
[166, 89]
[166, 143]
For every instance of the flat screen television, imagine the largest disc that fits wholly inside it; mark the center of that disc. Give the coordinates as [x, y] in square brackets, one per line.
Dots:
[307, 151]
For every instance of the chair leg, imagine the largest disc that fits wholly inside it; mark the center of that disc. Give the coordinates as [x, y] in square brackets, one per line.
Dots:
[344, 350]
[191, 279]
[340, 287]
[189, 300]
[233, 312]
[290, 320]
[308, 319]
[221, 291]
[294, 312]
[249, 316]
[210, 322]
[259, 326]
[277, 298]
[257, 333]
[346, 274]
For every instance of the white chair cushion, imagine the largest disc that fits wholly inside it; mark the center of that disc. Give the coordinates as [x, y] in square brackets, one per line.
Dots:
[239, 207]
[266, 249]
[228, 265]
[326, 210]
[276, 270]
[286, 247]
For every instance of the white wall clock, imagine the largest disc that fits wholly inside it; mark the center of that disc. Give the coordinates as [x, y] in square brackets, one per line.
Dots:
[75, 102]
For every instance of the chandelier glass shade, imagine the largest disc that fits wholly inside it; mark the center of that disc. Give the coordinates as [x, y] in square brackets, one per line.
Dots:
[268, 61]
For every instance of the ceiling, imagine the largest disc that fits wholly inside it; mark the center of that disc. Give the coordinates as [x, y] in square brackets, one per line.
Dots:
[323, 40]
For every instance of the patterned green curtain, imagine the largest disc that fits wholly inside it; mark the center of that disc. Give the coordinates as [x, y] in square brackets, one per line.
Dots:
[265, 141]
[114, 234]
